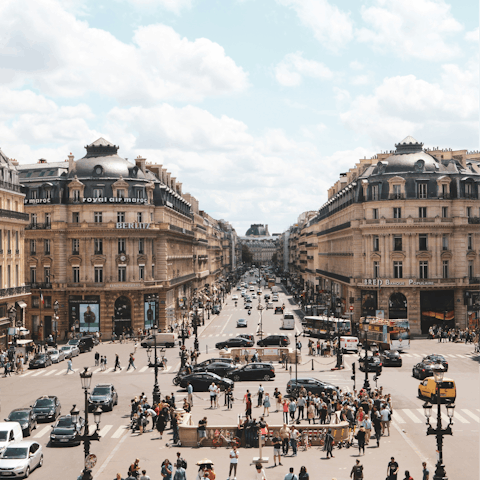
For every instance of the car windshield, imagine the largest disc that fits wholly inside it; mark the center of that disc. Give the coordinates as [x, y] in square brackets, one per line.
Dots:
[73, 342]
[65, 348]
[15, 452]
[18, 415]
[214, 376]
[101, 391]
[65, 422]
[44, 402]
[39, 356]
[53, 352]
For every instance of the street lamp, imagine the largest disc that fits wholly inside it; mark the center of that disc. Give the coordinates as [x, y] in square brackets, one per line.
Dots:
[12, 314]
[438, 371]
[260, 307]
[156, 388]
[90, 460]
[55, 309]
[366, 383]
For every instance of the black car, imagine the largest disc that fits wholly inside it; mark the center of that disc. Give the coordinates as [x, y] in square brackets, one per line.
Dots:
[391, 358]
[25, 417]
[65, 431]
[234, 342]
[253, 371]
[203, 364]
[311, 385]
[40, 360]
[435, 358]
[219, 368]
[423, 369]
[374, 364]
[202, 380]
[248, 305]
[47, 408]
[86, 344]
[276, 340]
[216, 309]
[278, 310]
[104, 396]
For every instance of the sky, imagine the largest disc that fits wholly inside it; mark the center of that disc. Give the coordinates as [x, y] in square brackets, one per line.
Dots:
[255, 106]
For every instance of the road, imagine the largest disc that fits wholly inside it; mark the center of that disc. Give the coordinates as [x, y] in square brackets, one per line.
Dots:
[118, 447]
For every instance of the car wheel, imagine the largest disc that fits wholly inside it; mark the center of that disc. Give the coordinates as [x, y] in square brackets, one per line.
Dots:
[27, 473]
[29, 432]
[413, 373]
[267, 378]
[419, 394]
[40, 463]
[176, 381]
[110, 407]
[236, 378]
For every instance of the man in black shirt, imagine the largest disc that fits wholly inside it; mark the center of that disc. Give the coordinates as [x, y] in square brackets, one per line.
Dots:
[277, 443]
[392, 469]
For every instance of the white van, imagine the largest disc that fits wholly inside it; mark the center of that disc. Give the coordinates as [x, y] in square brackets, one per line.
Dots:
[10, 432]
[163, 340]
[349, 344]
[288, 321]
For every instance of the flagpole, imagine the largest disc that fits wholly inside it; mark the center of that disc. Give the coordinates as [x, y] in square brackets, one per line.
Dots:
[40, 315]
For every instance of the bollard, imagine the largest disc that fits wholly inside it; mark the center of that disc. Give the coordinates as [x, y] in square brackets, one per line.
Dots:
[290, 370]
[206, 350]
[312, 364]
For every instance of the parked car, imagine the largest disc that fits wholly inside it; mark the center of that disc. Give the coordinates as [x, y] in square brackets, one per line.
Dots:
[47, 408]
[56, 355]
[234, 342]
[391, 358]
[25, 417]
[20, 459]
[253, 371]
[277, 340]
[40, 360]
[423, 369]
[436, 358]
[65, 431]
[202, 380]
[219, 368]
[104, 396]
[203, 364]
[241, 322]
[374, 364]
[70, 351]
[311, 385]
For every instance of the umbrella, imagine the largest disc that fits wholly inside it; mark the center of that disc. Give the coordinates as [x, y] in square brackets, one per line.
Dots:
[205, 461]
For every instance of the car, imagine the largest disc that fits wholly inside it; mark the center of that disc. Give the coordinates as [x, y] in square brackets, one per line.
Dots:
[40, 360]
[25, 417]
[269, 306]
[239, 288]
[427, 390]
[20, 459]
[241, 322]
[70, 351]
[374, 364]
[56, 355]
[200, 381]
[248, 336]
[312, 385]
[65, 431]
[391, 358]
[86, 343]
[277, 340]
[275, 298]
[203, 364]
[278, 310]
[248, 306]
[244, 292]
[219, 368]
[234, 297]
[423, 369]
[46, 408]
[216, 310]
[436, 358]
[74, 342]
[103, 395]
[259, 292]
[234, 342]
[253, 295]
[266, 296]
[253, 371]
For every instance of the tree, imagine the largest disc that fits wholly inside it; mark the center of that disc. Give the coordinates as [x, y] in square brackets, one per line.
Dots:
[247, 256]
[274, 259]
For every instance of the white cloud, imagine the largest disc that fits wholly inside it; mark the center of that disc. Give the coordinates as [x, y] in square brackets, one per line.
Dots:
[291, 70]
[46, 46]
[331, 26]
[472, 36]
[356, 65]
[175, 6]
[423, 29]
[361, 80]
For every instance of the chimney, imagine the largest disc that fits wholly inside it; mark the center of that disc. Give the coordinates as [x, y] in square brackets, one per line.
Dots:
[140, 163]
[70, 162]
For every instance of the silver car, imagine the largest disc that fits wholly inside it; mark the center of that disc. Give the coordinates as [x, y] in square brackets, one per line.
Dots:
[70, 351]
[56, 355]
[20, 459]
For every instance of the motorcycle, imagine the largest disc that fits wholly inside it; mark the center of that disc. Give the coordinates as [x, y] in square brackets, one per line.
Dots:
[249, 312]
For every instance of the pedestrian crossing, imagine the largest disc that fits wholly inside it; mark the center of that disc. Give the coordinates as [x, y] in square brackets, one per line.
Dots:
[117, 433]
[56, 372]
[406, 415]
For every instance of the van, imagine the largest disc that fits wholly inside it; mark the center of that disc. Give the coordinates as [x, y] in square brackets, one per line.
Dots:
[288, 321]
[10, 432]
[349, 344]
[163, 340]
[86, 344]
[428, 390]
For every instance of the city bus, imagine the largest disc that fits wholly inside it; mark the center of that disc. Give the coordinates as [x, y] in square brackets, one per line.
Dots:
[388, 334]
[323, 326]
[271, 282]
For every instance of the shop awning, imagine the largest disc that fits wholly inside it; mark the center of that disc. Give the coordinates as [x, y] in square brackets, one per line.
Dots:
[22, 304]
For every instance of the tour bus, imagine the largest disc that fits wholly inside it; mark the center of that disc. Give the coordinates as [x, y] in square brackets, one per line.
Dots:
[388, 334]
[288, 321]
[324, 327]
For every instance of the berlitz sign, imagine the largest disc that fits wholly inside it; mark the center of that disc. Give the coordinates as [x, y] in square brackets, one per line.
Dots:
[395, 282]
[132, 225]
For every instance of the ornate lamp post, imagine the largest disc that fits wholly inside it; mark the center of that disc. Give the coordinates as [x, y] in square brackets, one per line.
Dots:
[366, 383]
[156, 388]
[440, 474]
[12, 313]
[55, 309]
[90, 460]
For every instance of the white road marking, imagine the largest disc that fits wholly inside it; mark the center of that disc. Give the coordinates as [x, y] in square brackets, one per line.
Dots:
[119, 431]
[143, 368]
[470, 414]
[416, 355]
[407, 355]
[397, 418]
[459, 417]
[50, 372]
[27, 373]
[61, 372]
[108, 370]
[461, 356]
[43, 431]
[410, 414]
[38, 373]
[91, 429]
[97, 370]
[105, 430]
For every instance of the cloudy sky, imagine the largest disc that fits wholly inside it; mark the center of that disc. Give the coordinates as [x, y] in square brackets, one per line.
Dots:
[256, 106]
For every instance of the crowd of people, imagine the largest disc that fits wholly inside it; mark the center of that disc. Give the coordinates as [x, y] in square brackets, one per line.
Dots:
[443, 334]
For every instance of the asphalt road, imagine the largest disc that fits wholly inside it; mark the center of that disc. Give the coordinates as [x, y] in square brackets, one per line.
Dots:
[118, 447]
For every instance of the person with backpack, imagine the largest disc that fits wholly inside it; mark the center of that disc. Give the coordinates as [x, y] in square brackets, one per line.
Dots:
[290, 475]
[357, 471]
[131, 360]
[97, 358]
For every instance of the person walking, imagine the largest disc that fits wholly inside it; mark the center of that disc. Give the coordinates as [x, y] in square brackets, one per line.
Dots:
[294, 440]
[260, 472]
[328, 446]
[248, 406]
[190, 394]
[361, 440]
[425, 472]
[213, 394]
[144, 475]
[377, 424]
[266, 405]
[357, 471]
[229, 397]
[117, 363]
[166, 471]
[260, 393]
[301, 408]
[292, 407]
[97, 358]
[180, 474]
[131, 360]
[392, 469]
[277, 443]
[202, 431]
[407, 476]
[233, 463]
[69, 366]
[303, 475]
[285, 409]
[285, 436]
[386, 416]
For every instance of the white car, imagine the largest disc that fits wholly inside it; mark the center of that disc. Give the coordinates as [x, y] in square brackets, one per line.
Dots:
[70, 351]
[253, 295]
[269, 305]
[274, 298]
[234, 297]
[56, 355]
[20, 459]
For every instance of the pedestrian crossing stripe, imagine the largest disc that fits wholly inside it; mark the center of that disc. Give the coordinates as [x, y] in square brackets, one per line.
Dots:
[50, 372]
[410, 414]
[143, 368]
[42, 432]
[470, 414]
[120, 431]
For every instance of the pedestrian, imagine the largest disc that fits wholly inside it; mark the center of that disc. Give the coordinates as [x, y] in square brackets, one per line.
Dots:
[278, 399]
[290, 475]
[97, 358]
[392, 469]
[229, 397]
[277, 443]
[202, 431]
[311, 412]
[361, 440]
[303, 475]
[117, 363]
[425, 472]
[131, 360]
[377, 424]
[294, 440]
[248, 407]
[180, 474]
[233, 463]
[213, 394]
[407, 476]
[260, 472]
[301, 408]
[386, 416]
[166, 471]
[328, 445]
[260, 395]
[285, 409]
[292, 407]
[144, 475]
[217, 395]
[190, 394]
[117, 477]
[357, 471]
[134, 469]
[69, 366]
[285, 436]
[266, 404]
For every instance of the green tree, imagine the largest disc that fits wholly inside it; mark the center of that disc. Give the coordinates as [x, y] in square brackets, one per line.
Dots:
[247, 256]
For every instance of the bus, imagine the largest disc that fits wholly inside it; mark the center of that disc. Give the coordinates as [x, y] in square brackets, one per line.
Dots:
[323, 326]
[271, 282]
[288, 321]
[388, 334]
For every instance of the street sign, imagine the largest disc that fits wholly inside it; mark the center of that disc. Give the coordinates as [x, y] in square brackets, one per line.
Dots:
[351, 308]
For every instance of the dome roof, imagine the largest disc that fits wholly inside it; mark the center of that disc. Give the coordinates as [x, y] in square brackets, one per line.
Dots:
[102, 160]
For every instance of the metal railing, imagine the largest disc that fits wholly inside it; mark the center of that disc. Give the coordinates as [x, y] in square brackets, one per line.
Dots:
[13, 214]
[10, 292]
[38, 226]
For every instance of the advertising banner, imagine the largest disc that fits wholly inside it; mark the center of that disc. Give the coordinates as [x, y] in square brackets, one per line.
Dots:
[89, 317]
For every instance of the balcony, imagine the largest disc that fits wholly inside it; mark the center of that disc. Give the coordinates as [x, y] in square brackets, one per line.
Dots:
[473, 281]
[396, 196]
[10, 292]
[474, 220]
[174, 228]
[424, 220]
[11, 186]
[44, 285]
[13, 214]
[38, 226]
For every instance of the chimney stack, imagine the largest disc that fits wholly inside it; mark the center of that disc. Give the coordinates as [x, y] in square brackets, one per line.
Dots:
[140, 163]
[70, 162]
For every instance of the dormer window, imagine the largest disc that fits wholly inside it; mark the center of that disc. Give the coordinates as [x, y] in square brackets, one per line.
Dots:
[421, 190]
[98, 169]
[97, 193]
[120, 193]
[76, 195]
[34, 194]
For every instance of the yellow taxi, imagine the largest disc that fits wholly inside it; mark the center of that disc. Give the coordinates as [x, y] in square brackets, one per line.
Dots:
[428, 390]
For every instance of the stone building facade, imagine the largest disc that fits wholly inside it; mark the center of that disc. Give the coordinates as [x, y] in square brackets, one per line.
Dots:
[117, 244]
[400, 236]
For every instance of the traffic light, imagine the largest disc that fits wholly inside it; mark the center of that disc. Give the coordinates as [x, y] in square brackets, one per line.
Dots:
[353, 372]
